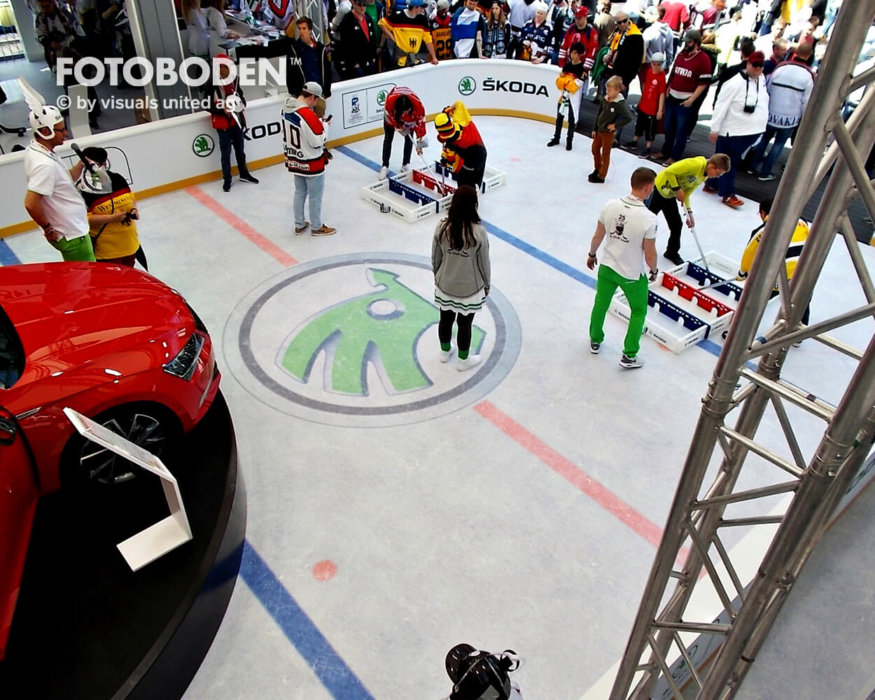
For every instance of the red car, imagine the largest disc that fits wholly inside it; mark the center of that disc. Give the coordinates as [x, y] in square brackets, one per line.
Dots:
[111, 342]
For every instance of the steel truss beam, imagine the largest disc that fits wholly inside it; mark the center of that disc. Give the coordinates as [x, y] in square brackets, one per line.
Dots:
[663, 627]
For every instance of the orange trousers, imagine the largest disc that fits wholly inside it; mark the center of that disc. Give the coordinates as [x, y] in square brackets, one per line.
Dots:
[601, 152]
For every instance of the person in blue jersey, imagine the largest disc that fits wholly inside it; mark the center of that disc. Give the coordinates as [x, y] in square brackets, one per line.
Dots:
[466, 31]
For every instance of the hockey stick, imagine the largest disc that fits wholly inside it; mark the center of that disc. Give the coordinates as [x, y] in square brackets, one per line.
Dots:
[699, 246]
[715, 284]
[442, 185]
[85, 161]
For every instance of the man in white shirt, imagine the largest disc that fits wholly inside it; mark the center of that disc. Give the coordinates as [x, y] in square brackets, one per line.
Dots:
[52, 199]
[628, 228]
[740, 116]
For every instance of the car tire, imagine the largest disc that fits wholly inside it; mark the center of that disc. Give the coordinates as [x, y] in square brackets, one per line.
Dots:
[149, 426]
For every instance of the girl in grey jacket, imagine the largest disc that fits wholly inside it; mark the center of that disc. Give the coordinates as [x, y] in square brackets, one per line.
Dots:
[460, 261]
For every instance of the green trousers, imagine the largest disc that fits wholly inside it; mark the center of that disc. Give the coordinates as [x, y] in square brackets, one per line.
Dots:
[76, 249]
[636, 295]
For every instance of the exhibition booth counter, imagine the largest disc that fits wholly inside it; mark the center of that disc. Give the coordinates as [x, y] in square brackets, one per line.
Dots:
[183, 151]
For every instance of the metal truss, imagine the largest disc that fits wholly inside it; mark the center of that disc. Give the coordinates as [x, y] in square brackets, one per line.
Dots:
[806, 488]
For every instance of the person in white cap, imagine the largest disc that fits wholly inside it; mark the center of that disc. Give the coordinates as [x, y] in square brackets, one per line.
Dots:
[52, 199]
[304, 137]
[651, 106]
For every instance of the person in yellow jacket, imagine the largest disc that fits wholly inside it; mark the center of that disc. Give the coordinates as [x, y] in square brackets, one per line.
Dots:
[112, 211]
[463, 149]
[408, 30]
[570, 83]
[794, 250]
[676, 184]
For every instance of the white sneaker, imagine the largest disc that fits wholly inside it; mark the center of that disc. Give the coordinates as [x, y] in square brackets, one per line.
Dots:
[468, 363]
[631, 362]
[447, 354]
[405, 167]
[384, 173]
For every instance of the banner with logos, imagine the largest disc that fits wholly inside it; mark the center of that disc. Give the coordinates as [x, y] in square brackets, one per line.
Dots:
[183, 151]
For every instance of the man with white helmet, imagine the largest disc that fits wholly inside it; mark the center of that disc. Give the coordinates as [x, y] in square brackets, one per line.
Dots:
[52, 199]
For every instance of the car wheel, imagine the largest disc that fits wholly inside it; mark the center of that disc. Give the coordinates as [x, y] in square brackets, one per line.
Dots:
[146, 426]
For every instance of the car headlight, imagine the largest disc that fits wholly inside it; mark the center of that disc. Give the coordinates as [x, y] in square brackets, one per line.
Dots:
[185, 362]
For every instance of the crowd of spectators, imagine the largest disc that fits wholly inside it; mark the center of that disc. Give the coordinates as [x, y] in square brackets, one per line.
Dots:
[770, 45]
[79, 28]
[704, 44]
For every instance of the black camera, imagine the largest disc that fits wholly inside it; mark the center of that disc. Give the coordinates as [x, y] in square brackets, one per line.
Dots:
[750, 109]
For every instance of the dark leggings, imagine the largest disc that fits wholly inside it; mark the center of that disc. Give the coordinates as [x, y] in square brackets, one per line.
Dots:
[463, 321]
[388, 137]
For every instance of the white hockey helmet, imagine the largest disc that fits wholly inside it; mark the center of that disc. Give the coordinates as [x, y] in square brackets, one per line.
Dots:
[45, 117]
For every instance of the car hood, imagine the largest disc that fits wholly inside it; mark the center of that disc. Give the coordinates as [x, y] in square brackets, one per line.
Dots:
[81, 319]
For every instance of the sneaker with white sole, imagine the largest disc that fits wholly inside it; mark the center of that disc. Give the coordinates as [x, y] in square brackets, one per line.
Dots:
[468, 363]
[631, 362]
[594, 348]
[405, 167]
[384, 173]
[447, 354]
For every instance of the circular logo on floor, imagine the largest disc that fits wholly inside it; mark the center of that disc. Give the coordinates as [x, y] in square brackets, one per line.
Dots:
[352, 340]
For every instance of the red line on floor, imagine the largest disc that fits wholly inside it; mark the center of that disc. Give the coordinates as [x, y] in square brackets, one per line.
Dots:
[571, 472]
[229, 217]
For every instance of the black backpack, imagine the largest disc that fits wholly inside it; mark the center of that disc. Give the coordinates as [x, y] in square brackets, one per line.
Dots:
[480, 675]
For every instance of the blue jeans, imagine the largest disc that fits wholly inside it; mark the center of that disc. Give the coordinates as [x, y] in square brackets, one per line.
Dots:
[677, 123]
[734, 147]
[229, 138]
[311, 187]
[780, 135]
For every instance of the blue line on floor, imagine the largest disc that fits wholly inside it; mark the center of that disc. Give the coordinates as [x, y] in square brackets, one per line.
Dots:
[325, 662]
[358, 158]
[546, 258]
[7, 257]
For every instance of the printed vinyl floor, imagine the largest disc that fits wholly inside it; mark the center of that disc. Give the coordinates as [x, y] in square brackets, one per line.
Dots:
[398, 510]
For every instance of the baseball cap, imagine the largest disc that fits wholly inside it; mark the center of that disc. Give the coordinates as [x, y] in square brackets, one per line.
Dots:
[415, 3]
[313, 87]
[581, 12]
[756, 57]
[693, 35]
[658, 57]
[443, 4]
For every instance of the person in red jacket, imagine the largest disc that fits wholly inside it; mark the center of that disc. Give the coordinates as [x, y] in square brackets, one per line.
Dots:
[464, 151]
[226, 110]
[404, 113]
[581, 31]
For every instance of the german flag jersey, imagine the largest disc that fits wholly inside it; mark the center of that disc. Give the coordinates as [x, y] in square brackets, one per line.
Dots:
[115, 239]
[408, 33]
